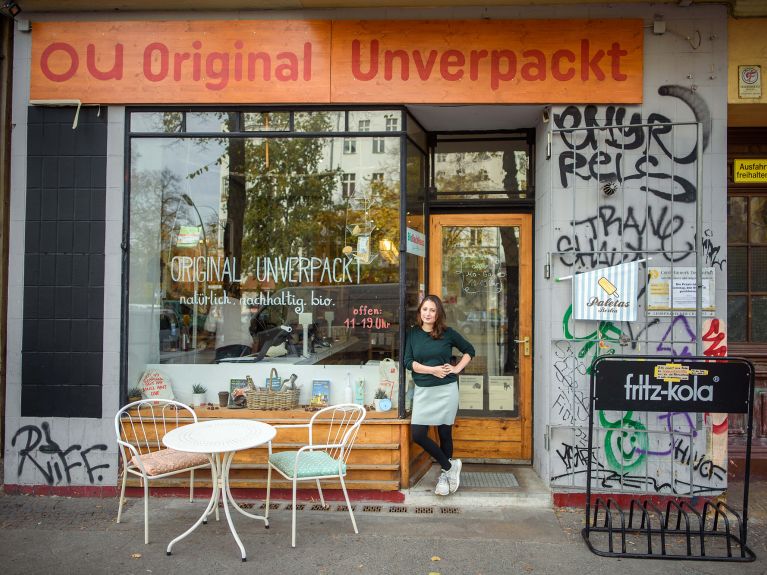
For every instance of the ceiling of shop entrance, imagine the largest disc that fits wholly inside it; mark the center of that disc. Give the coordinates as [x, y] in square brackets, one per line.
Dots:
[740, 8]
[476, 118]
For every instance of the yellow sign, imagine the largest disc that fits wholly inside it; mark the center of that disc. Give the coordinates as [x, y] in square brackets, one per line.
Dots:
[752, 171]
[673, 372]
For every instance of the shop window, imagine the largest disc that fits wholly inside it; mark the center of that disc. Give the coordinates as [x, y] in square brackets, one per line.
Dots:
[157, 122]
[261, 249]
[266, 121]
[747, 266]
[350, 146]
[379, 145]
[473, 167]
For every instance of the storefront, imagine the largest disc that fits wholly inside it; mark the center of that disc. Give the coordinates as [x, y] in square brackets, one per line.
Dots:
[276, 195]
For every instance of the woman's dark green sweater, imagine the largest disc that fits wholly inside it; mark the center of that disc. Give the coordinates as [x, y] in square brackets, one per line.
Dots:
[421, 347]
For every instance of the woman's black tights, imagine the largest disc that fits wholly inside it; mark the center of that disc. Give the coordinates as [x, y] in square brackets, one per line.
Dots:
[442, 452]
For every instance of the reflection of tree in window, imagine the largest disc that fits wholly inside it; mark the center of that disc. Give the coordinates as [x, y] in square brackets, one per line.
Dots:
[286, 196]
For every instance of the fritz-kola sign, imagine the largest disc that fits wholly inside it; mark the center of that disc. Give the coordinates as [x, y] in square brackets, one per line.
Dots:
[679, 384]
[323, 61]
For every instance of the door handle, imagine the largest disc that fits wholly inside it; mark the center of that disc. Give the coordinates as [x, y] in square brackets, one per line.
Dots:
[526, 341]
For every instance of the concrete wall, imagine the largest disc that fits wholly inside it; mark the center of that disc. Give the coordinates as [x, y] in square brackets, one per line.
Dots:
[652, 212]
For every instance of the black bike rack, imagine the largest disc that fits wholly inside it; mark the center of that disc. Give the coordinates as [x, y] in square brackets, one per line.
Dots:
[695, 528]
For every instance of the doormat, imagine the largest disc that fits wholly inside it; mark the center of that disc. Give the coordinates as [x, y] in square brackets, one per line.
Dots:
[491, 479]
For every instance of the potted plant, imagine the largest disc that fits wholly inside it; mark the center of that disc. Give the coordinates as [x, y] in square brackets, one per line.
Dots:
[381, 401]
[134, 394]
[198, 394]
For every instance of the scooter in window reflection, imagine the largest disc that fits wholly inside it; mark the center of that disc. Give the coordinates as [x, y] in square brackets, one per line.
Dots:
[283, 336]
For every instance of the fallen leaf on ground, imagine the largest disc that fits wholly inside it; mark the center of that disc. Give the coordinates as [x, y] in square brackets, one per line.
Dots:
[435, 558]
[135, 555]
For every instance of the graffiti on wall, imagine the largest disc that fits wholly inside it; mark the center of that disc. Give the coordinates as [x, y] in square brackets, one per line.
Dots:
[57, 465]
[654, 164]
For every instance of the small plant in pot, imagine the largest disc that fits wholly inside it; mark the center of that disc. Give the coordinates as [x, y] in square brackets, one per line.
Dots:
[381, 401]
[134, 394]
[198, 394]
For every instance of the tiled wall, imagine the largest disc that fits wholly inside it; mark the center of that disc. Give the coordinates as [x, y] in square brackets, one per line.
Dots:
[63, 317]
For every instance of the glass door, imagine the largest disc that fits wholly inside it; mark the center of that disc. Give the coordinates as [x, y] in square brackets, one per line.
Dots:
[481, 267]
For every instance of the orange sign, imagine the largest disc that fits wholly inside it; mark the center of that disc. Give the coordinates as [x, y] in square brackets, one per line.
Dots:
[291, 61]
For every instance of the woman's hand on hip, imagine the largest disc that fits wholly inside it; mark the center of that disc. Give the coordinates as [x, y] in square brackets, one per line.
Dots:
[441, 371]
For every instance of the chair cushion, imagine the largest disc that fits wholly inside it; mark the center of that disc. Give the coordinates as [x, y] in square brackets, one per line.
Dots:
[310, 464]
[169, 460]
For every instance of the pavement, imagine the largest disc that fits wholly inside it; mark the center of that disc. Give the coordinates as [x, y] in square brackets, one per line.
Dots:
[450, 536]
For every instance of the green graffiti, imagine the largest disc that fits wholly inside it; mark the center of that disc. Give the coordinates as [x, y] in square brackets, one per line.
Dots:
[605, 335]
[624, 450]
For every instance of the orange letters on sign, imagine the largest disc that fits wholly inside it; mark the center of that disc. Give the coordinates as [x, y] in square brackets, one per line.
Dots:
[291, 61]
[524, 61]
[210, 62]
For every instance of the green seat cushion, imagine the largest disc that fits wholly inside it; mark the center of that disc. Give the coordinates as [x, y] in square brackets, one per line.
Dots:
[310, 464]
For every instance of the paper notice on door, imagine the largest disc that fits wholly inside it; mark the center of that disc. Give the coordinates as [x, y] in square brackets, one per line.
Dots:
[501, 392]
[470, 391]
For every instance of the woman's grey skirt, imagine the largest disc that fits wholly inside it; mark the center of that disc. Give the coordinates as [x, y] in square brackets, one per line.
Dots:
[435, 405]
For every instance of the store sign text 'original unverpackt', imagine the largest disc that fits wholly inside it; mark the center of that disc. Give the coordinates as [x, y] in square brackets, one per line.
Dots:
[242, 62]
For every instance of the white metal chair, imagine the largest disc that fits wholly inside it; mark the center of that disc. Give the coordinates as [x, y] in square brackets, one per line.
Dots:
[325, 456]
[140, 427]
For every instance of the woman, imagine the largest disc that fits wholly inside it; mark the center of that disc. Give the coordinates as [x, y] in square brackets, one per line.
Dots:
[435, 402]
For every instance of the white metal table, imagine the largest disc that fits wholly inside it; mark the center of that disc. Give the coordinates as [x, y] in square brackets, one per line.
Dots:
[220, 439]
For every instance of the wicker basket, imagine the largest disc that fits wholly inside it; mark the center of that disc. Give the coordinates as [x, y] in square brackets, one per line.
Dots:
[267, 399]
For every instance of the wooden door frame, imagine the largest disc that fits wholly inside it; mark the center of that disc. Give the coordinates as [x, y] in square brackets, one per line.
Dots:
[525, 223]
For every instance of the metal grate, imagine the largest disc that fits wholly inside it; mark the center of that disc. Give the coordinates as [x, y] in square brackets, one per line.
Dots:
[345, 508]
[371, 508]
[320, 507]
[397, 509]
[454, 510]
[299, 507]
[491, 479]
[424, 510]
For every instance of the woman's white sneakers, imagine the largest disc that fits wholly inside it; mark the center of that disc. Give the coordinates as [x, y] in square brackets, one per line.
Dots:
[443, 486]
[454, 475]
[449, 480]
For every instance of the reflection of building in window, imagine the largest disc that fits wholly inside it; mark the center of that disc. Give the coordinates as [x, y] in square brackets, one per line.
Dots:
[475, 236]
[377, 177]
[364, 126]
[378, 145]
[350, 146]
[392, 124]
[442, 157]
[348, 184]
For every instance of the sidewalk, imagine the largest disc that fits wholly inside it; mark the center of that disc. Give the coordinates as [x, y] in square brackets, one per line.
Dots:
[63, 535]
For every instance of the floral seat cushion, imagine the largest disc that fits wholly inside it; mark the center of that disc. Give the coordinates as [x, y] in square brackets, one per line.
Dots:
[169, 460]
[310, 464]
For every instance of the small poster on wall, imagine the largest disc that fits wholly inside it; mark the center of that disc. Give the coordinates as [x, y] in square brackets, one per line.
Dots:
[501, 392]
[673, 291]
[470, 391]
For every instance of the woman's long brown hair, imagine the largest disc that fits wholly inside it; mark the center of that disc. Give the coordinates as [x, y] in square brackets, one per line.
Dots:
[439, 322]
